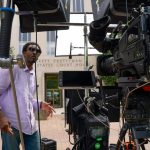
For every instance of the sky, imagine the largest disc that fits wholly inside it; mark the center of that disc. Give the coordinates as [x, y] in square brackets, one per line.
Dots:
[74, 35]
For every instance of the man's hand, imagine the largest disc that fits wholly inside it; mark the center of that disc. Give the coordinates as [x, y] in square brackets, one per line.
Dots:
[7, 129]
[48, 108]
[5, 124]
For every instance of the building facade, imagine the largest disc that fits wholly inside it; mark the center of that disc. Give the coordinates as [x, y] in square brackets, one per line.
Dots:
[48, 66]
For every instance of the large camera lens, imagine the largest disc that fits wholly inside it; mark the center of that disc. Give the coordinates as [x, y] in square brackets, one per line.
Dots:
[104, 65]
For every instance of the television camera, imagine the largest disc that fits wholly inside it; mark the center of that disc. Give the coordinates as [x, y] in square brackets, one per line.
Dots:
[85, 116]
[126, 54]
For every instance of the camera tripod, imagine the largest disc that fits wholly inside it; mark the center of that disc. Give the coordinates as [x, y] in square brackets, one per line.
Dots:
[136, 119]
[137, 136]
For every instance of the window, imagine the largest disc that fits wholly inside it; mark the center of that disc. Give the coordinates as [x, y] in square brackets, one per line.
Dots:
[23, 38]
[74, 38]
[77, 6]
[51, 40]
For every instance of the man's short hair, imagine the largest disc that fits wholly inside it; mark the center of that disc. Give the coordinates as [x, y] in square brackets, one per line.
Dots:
[30, 43]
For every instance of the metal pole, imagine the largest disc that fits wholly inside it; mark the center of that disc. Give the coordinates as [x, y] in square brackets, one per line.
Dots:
[137, 144]
[62, 24]
[16, 105]
[85, 52]
[85, 45]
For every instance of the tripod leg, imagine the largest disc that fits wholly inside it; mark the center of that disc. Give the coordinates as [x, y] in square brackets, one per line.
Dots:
[143, 147]
[122, 135]
[142, 143]
[135, 139]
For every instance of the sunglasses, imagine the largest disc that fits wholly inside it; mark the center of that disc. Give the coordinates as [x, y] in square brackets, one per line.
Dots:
[34, 49]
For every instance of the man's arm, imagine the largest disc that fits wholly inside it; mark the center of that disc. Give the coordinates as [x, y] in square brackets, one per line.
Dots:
[43, 106]
[4, 79]
[35, 105]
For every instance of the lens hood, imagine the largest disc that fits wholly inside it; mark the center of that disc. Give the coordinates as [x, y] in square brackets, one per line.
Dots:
[97, 34]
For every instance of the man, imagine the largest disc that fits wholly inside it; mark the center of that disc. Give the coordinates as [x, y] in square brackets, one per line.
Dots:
[25, 85]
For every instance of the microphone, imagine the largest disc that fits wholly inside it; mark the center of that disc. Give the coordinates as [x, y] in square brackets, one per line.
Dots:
[70, 55]
[6, 18]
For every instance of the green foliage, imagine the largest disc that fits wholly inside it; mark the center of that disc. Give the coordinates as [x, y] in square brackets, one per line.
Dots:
[109, 80]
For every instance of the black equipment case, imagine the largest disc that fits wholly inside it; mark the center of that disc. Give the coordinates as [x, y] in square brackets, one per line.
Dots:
[48, 144]
[45, 12]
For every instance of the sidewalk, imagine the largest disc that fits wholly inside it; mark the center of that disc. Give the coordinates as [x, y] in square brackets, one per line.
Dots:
[54, 128]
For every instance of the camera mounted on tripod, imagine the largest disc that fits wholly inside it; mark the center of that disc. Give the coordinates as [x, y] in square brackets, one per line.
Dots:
[127, 45]
[87, 118]
[125, 54]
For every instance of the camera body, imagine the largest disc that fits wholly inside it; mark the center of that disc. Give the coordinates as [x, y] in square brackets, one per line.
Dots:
[128, 46]
[88, 122]
[92, 129]
[126, 54]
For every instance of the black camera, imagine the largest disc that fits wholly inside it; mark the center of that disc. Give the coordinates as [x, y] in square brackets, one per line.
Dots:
[87, 117]
[127, 45]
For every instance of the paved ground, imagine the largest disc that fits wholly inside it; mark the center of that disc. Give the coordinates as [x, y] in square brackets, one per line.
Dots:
[54, 128]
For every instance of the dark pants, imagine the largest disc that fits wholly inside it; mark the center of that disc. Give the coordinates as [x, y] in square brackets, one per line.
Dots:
[12, 142]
